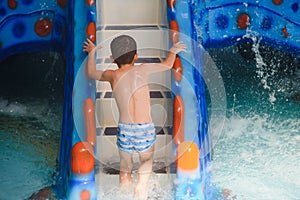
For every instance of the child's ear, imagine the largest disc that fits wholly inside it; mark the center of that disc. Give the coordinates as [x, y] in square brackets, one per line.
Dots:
[135, 57]
[112, 59]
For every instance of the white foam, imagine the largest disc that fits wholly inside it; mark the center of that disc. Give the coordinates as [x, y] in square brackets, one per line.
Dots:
[159, 188]
[258, 158]
[14, 107]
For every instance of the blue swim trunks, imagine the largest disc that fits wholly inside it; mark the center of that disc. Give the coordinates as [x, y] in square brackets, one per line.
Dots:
[135, 137]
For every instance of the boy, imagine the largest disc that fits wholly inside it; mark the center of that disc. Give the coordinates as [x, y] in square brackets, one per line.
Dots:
[131, 92]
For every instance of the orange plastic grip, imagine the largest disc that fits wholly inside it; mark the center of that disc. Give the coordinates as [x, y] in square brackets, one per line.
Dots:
[177, 69]
[174, 31]
[85, 195]
[171, 3]
[82, 160]
[90, 2]
[187, 156]
[178, 120]
[90, 125]
[91, 31]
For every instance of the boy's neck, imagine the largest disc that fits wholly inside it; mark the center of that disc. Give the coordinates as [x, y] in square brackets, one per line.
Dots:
[126, 66]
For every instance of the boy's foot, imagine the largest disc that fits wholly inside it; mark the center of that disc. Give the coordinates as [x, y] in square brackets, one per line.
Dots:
[141, 192]
[126, 188]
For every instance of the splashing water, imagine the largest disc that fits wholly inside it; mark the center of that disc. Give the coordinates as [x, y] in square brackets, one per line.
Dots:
[261, 67]
[257, 155]
[159, 188]
[258, 158]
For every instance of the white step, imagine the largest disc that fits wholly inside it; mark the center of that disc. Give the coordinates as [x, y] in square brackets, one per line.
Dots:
[120, 12]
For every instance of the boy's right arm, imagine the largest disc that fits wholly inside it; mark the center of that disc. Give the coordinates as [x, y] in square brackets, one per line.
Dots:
[174, 50]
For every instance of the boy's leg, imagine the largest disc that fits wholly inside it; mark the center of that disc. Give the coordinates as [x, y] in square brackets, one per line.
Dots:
[144, 173]
[126, 165]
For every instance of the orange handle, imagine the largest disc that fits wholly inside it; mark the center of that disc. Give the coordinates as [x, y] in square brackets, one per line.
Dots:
[82, 160]
[187, 156]
[174, 31]
[171, 3]
[178, 120]
[89, 2]
[91, 31]
[90, 125]
[177, 69]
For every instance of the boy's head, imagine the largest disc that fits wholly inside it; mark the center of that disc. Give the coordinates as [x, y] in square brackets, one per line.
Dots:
[123, 49]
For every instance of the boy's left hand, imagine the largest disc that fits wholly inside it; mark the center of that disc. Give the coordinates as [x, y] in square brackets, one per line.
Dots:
[89, 46]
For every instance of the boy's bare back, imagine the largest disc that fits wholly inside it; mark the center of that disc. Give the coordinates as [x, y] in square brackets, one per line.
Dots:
[131, 92]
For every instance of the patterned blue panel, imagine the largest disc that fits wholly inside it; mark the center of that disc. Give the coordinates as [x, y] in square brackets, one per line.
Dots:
[277, 22]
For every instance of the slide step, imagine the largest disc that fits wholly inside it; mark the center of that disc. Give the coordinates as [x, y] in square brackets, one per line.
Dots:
[153, 94]
[130, 27]
[112, 168]
[110, 131]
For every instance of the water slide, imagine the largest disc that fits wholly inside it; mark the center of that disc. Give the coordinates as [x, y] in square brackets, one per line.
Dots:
[87, 154]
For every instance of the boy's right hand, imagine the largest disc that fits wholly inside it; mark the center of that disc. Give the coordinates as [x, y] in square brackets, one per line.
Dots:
[89, 46]
[178, 47]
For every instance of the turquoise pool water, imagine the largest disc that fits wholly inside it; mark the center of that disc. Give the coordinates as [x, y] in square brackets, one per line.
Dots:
[30, 123]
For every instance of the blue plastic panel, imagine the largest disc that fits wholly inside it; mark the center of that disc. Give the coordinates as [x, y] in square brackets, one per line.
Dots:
[277, 22]
[31, 26]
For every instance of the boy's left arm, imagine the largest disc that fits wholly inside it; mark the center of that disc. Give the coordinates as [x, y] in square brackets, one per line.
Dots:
[91, 71]
[169, 60]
